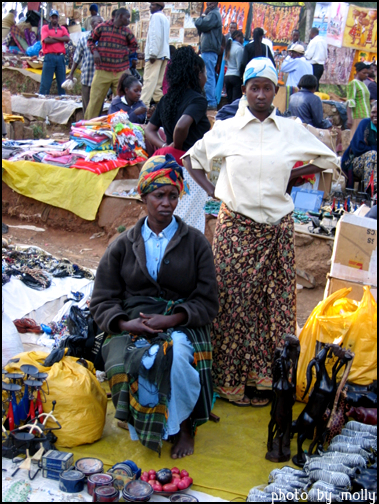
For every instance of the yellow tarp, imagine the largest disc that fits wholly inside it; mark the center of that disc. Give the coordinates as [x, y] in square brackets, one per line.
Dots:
[229, 456]
[78, 191]
[11, 118]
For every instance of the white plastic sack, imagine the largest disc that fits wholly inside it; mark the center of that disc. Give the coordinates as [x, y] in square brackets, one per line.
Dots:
[11, 340]
[69, 84]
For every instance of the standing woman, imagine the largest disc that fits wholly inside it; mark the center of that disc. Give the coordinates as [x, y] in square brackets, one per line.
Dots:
[182, 113]
[233, 58]
[358, 98]
[255, 49]
[254, 238]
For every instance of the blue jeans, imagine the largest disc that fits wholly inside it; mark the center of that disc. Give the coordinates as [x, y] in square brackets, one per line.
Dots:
[53, 64]
[210, 60]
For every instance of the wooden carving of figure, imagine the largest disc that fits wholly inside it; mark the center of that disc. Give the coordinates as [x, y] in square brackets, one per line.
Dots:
[284, 388]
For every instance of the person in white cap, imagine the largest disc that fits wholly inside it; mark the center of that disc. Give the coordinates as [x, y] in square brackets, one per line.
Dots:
[254, 239]
[296, 65]
[157, 54]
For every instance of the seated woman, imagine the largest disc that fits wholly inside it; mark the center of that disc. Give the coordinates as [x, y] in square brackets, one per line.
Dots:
[360, 158]
[128, 100]
[182, 112]
[306, 105]
[155, 295]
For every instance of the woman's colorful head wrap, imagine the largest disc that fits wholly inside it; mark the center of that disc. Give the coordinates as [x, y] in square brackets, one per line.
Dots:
[159, 171]
[260, 67]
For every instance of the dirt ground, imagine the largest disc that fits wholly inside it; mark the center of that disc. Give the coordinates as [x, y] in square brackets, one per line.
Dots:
[81, 249]
[16, 82]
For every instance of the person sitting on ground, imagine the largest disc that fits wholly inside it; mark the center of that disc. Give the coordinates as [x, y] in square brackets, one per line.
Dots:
[129, 91]
[360, 158]
[306, 105]
[182, 113]
[255, 49]
[133, 69]
[155, 295]
[296, 66]
[233, 59]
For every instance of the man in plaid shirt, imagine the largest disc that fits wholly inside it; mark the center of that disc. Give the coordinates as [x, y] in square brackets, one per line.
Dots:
[84, 55]
[110, 43]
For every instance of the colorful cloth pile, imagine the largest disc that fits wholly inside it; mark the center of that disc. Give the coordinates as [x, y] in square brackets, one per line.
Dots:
[99, 145]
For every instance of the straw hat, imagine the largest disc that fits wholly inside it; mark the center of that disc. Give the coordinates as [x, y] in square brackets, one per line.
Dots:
[298, 48]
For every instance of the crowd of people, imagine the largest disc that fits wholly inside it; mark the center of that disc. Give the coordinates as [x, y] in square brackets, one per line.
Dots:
[184, 320]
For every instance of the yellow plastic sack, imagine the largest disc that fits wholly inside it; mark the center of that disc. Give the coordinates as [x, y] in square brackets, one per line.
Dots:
[81, 401]
[339, 317]
[360, 337]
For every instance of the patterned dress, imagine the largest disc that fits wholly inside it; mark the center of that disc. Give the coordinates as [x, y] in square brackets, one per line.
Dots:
[256, 275]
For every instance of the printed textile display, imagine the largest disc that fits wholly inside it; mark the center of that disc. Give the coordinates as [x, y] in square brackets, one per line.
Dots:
[361, 29]
[234, 12]
[321, 17]
[338, 65]
[279, 22]
[337, 21]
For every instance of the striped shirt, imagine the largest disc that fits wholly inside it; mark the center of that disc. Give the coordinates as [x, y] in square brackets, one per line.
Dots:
[114, 45]
[83, 54]
[358, 99]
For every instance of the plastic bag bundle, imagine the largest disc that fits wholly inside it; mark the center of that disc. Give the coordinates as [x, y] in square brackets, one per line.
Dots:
[81, 401]
[69, 84]
[338, 319]
[34, 49]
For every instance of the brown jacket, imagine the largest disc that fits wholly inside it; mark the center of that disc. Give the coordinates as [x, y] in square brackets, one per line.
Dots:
[187, 271]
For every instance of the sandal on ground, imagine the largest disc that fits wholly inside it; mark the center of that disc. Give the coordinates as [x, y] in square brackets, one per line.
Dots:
[242, 403]
[261, 398]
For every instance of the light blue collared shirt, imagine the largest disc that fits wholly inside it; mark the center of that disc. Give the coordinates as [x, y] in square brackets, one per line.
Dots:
[155, 245]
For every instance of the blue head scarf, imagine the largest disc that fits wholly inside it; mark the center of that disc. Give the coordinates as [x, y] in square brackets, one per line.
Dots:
[260, 67]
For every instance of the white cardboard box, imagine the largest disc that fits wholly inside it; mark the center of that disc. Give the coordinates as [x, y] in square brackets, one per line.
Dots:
[355, 250]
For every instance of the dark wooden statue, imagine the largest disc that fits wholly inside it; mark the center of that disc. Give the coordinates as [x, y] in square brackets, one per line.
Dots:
[312, 416]
[284, 388]
[316, 419]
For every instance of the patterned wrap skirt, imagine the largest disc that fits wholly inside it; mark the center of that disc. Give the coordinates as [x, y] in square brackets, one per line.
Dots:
[256, 275]
[365, 165]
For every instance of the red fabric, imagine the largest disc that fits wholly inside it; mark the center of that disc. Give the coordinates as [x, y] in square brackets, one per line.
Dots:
[56, 48]
[304, 178]
[174, 152]
[105, 166]
[34, 6]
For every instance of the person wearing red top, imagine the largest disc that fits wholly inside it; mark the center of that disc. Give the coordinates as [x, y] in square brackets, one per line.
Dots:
[110, 43]
[53, 37]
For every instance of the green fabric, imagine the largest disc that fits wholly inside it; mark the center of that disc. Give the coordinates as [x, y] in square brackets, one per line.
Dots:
[358, 99]
[122, 356]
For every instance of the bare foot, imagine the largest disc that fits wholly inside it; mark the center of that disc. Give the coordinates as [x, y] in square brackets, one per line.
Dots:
[185, 443]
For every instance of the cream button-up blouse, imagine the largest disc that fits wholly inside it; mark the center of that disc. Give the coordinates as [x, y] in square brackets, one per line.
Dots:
[257, 159]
